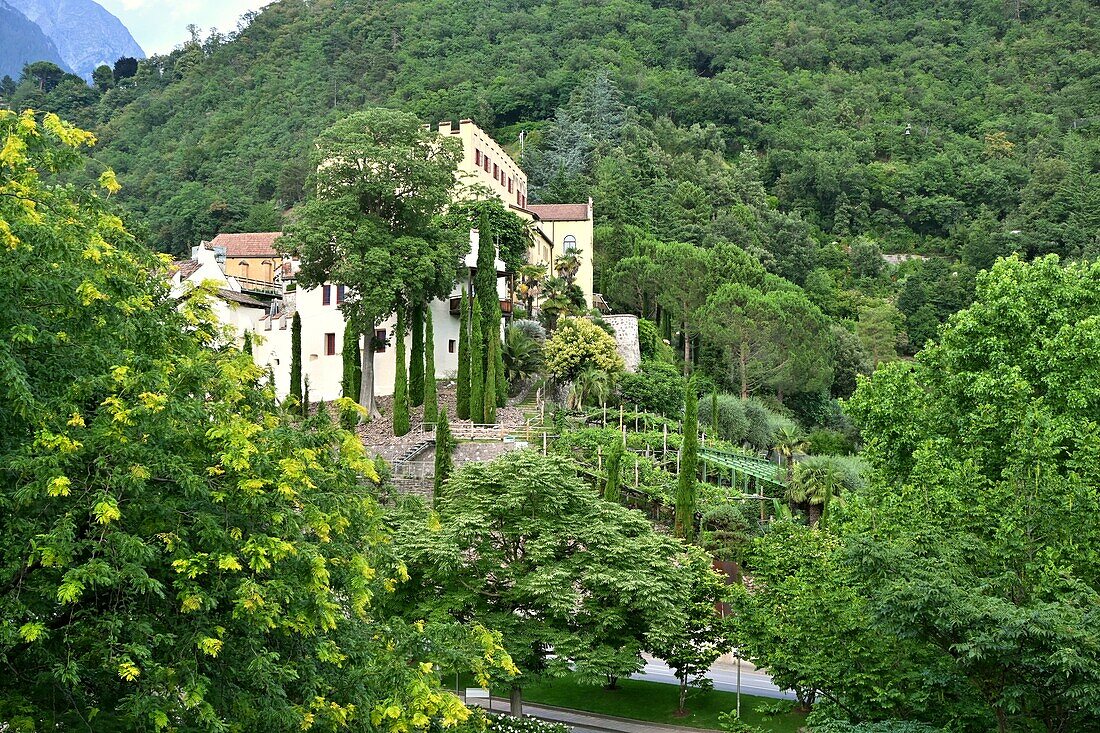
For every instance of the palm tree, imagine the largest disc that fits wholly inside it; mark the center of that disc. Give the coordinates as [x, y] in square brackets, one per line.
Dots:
[530, 285]
[788, 441]
[568, 265]
[815, 484]
[522, 356]
[591, 385]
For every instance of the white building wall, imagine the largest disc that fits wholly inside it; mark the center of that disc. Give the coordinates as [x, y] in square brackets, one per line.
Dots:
[325, 371]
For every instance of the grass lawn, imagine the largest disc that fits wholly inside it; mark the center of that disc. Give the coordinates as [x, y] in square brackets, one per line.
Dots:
[656, 702]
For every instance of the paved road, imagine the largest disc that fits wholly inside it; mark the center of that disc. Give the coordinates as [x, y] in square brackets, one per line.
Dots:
[753, 681]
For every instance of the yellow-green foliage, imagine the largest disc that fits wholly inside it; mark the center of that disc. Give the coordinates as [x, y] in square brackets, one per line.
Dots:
[579, 344]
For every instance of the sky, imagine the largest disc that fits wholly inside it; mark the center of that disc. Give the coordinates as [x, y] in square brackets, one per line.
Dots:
[160, 25]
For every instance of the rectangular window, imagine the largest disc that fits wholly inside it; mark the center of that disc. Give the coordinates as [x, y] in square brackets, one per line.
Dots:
[477, 157]
[509, 184]
[339, 294]
[450, 346]
[380, 340]
[486, 159]
[496, 171]
[326, 294]
[330, 344]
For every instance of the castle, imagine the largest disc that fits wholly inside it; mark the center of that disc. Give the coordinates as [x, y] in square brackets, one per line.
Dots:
[257, 290]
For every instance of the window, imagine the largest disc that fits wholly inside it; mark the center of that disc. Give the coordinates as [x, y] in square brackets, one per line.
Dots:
[379, 340]
[496, 171]
[477, 157]
[326, 294]
[509, 184]
[570, 243]
[339, 294]
[244, 269]
[330, 344]
[450, 346]
[486, 161]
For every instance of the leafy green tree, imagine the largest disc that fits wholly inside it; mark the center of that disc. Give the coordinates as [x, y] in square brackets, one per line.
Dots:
[400, 383]
[179, 552]
[579, 344]
[431, 398]
[693, 642]
[687, 480]
[511, 234]
[477, 366]
[444, 453]
[381, 183]
[462, 388]
[296, 357]
[416, 356]
[103, 78]
[656, 387]
[878, 330]
[523, 546]
[977, 536]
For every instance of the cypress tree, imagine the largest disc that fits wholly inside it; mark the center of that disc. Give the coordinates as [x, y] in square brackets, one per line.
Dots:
[477, 367]
[444, 451]
[296, 356]
[485, 280]
[714, 414]
[305, 398]
[612, 488]
[501, 380]
[353, 369]
[416, 357]
[431, 402]
[491, 382]
[400, 384]
[689, 459]
[246, 347]
[462, 390]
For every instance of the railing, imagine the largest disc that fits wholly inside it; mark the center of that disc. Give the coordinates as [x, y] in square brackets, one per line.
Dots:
[251, 285]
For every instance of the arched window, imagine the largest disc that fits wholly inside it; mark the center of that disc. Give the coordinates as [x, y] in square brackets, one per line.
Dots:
[243, 267]
[269, 270]
[570, 244]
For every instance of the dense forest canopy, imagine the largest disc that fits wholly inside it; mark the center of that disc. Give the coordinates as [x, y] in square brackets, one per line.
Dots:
[936, 127]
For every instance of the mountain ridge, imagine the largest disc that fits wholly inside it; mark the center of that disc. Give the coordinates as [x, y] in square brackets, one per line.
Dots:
[22, 41]
[84, 32]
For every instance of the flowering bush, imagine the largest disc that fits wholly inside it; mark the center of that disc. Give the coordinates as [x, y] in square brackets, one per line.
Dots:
[579, 344]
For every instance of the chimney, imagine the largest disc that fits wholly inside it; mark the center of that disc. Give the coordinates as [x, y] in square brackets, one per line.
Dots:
[445, 128]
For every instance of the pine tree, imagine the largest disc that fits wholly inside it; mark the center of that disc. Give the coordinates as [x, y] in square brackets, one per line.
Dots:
[246, 347]
[416, 356]
[431, 401]
[612, 489]
[444, 451]
[686, 482]
[462, 389]
[491, 381]
[353, 371]
[296, 356]
[477, 367]
[400, 383]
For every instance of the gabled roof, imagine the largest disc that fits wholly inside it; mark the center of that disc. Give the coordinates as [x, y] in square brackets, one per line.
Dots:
[186, 268]
[250, 244]
[559, 212]
[234, 297]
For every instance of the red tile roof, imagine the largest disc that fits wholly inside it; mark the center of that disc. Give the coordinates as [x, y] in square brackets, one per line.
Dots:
[235, 297]
[252, 244]
[559, 212]
[186, 268]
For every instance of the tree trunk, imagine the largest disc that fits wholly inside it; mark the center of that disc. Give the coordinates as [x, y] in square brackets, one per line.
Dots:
[813, 514]
[515, 701]
[743, 366]
[366, 386]
[681, 704]
[612, 682]
[687, 348]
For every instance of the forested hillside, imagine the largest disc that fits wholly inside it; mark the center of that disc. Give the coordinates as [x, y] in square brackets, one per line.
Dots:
[930, 125]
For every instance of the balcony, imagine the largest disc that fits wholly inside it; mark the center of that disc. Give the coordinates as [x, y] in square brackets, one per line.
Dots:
[456, 304]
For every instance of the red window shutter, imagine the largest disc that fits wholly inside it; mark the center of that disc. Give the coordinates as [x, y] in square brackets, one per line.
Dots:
[450, 346]
[330, 344]
[326, 294]
[477, 157]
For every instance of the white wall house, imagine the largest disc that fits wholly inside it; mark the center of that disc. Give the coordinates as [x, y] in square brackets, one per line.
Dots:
[556, 229]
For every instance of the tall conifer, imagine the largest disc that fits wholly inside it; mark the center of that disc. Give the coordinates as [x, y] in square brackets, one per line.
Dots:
[462, 389]
[400, 383]
[491, 382]
[352, 363]
[477, 367]
[296, 356]
[498, 362]
[444, 451]
[431, 402]
[416, 356]
[686, 486]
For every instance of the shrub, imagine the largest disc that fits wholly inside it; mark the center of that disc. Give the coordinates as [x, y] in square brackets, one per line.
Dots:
[578, 344]
[733, 425]
[655, 387]
[829, 442]
[531, 329]
[760, 430]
